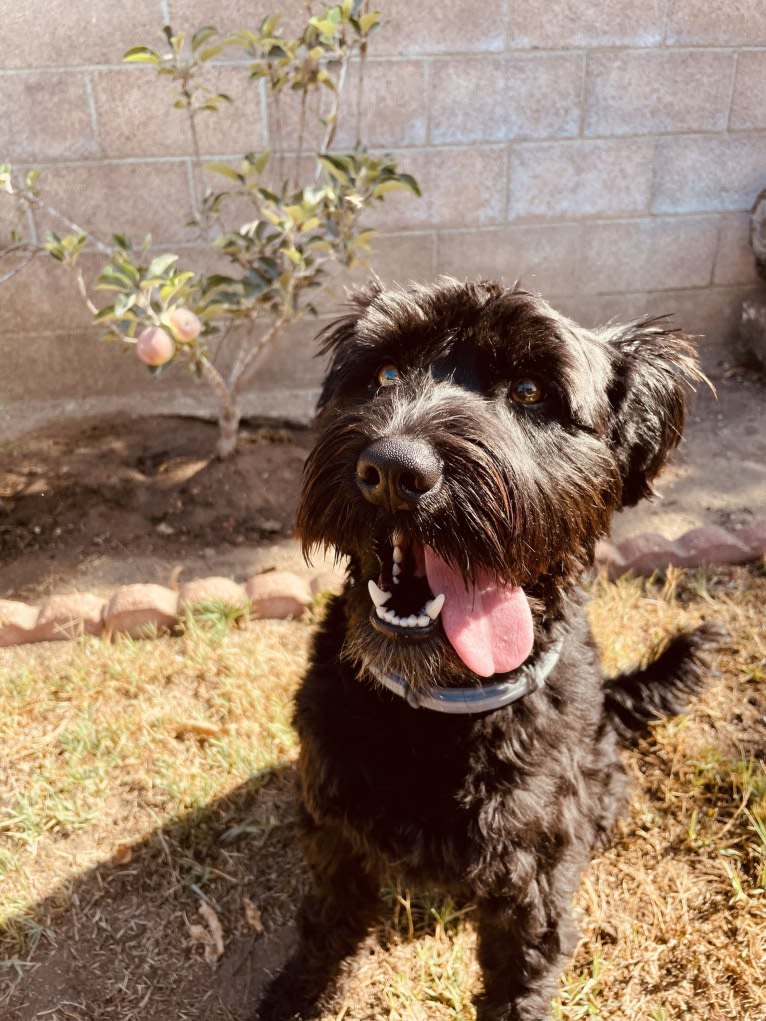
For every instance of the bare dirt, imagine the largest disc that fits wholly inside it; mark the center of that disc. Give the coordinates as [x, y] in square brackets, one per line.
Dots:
[92, 504]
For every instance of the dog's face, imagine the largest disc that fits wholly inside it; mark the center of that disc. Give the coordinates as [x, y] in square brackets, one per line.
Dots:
[473, 445]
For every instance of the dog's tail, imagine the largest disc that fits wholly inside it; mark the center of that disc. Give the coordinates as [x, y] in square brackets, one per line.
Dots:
[662, 687]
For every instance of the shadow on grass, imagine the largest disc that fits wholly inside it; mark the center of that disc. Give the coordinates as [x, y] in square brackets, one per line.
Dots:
[125, 940]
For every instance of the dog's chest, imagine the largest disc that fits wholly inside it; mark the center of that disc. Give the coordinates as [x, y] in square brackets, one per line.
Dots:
[419, 787]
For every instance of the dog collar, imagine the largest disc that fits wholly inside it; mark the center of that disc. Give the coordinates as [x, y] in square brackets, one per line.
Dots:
[474, 700]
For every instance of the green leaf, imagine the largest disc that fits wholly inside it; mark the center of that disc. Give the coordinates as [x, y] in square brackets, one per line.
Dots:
[141, 55]
[408, 181]
[160, 264]
[335, 167]
[211, 51]
[225, 171]
[105, 314]
[369, 21]
[201, 36]
[112, 278]
[364, 238]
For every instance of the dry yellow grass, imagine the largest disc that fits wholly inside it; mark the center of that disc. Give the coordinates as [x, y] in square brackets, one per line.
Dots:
[141, 781]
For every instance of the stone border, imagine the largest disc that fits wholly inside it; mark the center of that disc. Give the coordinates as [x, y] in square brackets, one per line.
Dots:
[143, 610]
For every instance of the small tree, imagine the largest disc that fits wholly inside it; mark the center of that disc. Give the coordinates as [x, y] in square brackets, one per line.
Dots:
[297, 231]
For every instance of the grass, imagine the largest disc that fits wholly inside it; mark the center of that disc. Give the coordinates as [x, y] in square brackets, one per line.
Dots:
[143, 780]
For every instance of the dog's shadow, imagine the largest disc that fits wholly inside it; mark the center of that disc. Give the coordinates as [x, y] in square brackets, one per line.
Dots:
[126, 937]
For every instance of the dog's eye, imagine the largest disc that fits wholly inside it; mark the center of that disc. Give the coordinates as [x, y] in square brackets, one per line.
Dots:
[527, 391]
[388, 375]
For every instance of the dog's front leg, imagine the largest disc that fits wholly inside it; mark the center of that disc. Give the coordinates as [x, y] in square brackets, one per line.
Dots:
[521, 956]
[333, 918]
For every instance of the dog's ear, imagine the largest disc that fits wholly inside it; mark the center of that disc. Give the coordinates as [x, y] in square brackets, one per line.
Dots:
[339, 338]
[654, 371]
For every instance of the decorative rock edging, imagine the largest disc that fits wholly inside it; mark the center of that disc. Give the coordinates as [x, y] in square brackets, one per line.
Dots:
[700, 547]
[145, 610]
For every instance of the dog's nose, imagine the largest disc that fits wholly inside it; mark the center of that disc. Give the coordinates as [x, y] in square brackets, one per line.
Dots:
[396, 473]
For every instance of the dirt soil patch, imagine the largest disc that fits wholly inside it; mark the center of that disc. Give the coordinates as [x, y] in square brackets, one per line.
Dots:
[97, 503]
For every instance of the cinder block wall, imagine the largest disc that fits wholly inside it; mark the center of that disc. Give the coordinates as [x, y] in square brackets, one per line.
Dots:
[606, 154]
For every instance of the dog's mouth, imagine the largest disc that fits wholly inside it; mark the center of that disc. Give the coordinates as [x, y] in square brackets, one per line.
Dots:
[487, 623]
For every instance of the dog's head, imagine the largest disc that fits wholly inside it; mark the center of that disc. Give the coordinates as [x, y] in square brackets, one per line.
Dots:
[473, 445]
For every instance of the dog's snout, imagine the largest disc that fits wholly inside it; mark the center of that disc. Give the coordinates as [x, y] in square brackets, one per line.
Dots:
[396, 473]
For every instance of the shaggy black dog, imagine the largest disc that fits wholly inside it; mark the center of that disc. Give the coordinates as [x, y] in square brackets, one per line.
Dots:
[454, 723]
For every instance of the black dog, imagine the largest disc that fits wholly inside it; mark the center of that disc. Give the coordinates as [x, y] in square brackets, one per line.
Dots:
[454, 723]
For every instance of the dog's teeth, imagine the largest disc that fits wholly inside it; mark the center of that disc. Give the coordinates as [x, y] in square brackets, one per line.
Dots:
[411, 621]
[396, 570]
[382, 612]
[398, 555]
[424, 620]
[434, 606]
[391, 617]
[378, 596]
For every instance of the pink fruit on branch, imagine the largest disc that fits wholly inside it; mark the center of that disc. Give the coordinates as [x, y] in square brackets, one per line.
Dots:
[154, 346]
[184, 325]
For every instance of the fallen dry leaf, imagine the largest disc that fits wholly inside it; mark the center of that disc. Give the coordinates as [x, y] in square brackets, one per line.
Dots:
[209, 935]
[253, 916]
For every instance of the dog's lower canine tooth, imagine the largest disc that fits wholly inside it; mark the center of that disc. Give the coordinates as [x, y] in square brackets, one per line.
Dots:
[434, 606]
[378, 596]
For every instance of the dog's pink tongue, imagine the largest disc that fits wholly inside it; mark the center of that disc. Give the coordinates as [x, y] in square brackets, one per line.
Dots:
[488, 625]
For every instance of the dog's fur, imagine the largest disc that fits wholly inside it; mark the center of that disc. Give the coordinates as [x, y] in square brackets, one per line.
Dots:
[481, 425]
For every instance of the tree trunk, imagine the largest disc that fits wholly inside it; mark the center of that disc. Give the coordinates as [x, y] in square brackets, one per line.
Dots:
[228, 430]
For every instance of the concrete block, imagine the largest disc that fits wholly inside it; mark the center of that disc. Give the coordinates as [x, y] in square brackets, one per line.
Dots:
[496, 99]
[649, 255]
[70, 615]
[86, 33]
[543, 258]
[46, 117]
[394, 105]
[140, 610]
[395, 258]
[137, 198]
[734, 261]
[711, 313]
[709, 173]
[136, 116]
[657, 91]
[568, 23]
[459, 186]
[232, 15]
[43, 296]
[748, 111]
[575, 179]
[279, 594]
[737, 22]
[78, 366]
[440, 26]
[18, 623]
